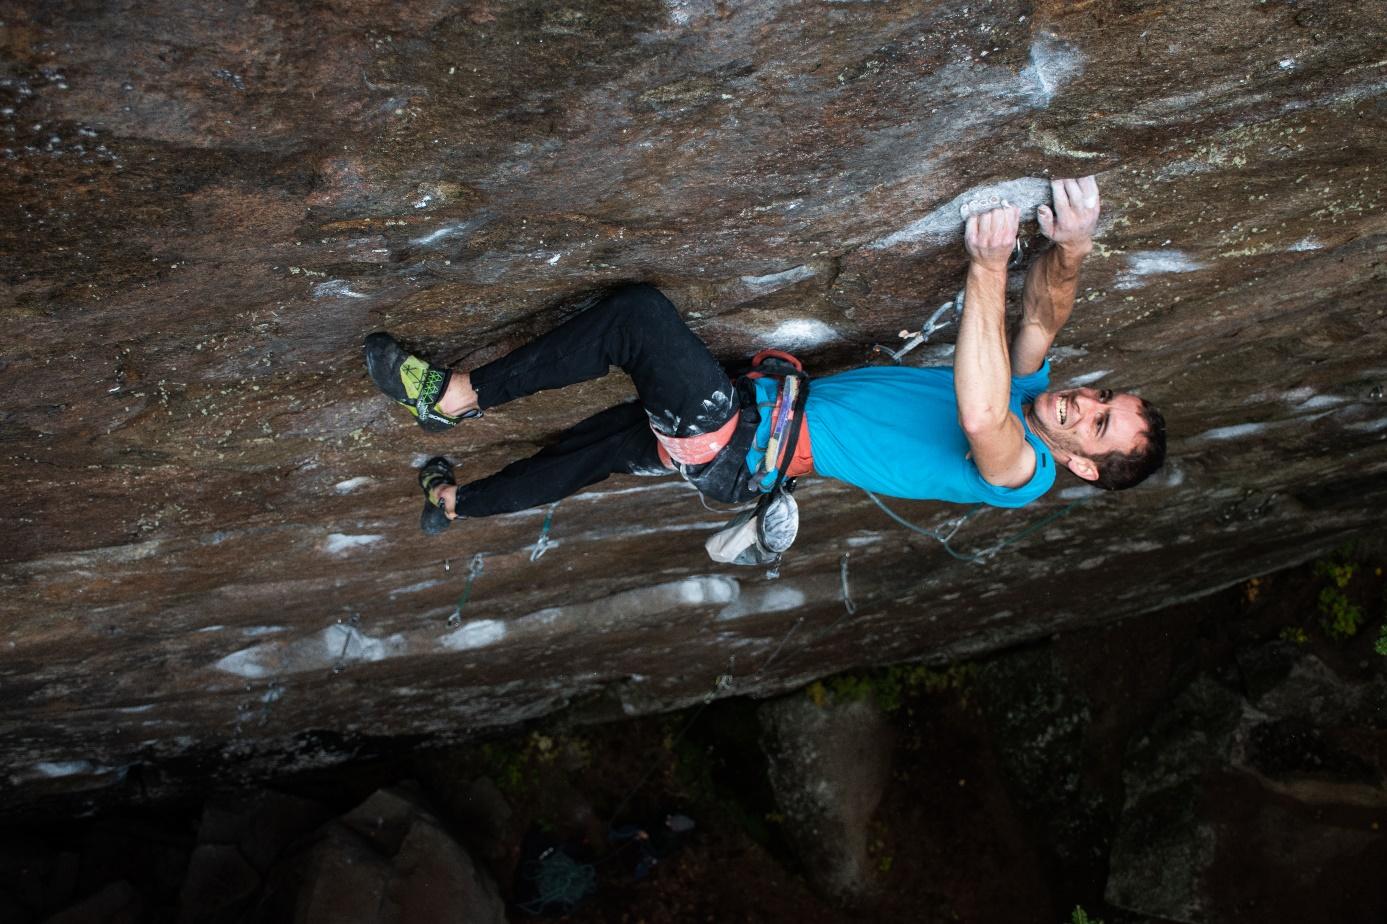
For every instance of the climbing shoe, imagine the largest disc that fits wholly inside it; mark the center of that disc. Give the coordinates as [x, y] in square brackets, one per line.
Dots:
[436, 472]
[411, 382]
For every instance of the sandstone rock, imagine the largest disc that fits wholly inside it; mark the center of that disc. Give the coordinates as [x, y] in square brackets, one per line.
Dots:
[828, 766]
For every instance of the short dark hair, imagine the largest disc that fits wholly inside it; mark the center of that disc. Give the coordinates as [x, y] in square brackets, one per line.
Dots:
[1118, 470]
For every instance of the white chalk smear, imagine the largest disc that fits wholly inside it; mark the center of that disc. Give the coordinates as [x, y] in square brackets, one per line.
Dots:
[1370, 426]
[351, 484]
[1317, 402]
[696, 591]
[57, 768]
[1088, 378]
[336, 288]
[244, 663]
[1306, 243]
[348, 644]
[476, 634]
[1053, 64]
[415, 588]
[337, 543]
[1143, 263]
[447, 232]
[257, 631]
[774, 281]
[336, 644]
[801, 333]
[776, 598]
[1236, 431]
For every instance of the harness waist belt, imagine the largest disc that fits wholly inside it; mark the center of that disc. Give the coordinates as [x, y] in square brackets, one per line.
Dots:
[695, 450]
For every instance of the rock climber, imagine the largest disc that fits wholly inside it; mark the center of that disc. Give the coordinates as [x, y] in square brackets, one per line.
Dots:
[986, 430]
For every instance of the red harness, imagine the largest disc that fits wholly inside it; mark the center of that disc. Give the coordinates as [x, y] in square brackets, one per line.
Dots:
[697, 450]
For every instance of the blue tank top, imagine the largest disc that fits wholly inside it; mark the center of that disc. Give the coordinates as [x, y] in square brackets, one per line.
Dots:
[894, 430]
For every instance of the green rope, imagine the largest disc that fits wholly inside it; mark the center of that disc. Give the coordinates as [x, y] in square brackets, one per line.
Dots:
[984, 555]
[559, 879]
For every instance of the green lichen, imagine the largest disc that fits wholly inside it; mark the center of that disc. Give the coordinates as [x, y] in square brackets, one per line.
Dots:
[889, 687]
[1340, 616]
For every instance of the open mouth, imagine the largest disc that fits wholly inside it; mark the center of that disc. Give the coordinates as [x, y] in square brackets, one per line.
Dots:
[1062, 409]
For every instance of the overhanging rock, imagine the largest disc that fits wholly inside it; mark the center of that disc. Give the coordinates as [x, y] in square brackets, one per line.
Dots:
[205, 208]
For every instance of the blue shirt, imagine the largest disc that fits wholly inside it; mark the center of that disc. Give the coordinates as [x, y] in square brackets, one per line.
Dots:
[894, 430]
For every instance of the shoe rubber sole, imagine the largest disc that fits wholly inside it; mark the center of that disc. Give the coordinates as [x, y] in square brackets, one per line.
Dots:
[434, 519]
[408, 380]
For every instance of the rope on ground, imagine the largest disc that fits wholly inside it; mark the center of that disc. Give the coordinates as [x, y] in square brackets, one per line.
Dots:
[559, 879]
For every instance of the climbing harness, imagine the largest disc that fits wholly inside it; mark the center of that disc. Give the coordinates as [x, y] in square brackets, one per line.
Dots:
[544, 543]
[762, 535]
[474, 571]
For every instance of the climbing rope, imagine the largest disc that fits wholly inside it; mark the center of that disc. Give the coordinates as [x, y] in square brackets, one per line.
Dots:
[560, 880]
[986, 554]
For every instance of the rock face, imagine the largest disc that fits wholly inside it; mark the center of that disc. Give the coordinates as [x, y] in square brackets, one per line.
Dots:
[211, 558]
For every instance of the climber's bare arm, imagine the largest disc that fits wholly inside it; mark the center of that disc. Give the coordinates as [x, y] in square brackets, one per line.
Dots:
[1053, 279]
[982, 369]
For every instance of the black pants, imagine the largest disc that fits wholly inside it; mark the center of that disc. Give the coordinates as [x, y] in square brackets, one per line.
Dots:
[682, 390]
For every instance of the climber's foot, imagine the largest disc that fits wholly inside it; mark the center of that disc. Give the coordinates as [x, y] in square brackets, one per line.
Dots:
[411, 382]
[436, 473]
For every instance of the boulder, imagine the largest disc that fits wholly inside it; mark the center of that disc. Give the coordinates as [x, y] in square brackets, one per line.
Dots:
[389, 861]
[436, 882]
[220, 884]
[828, 766]
[1259, 803]
[345, 881]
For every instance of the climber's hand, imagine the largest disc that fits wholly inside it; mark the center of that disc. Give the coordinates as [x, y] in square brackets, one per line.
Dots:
[990, 237]
[1072, 220]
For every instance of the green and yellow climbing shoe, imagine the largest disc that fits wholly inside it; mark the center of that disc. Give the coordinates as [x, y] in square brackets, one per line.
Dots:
[436, 472]
[410, 381]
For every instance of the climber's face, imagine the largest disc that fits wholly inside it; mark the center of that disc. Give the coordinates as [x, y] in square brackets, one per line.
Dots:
[1083, 424]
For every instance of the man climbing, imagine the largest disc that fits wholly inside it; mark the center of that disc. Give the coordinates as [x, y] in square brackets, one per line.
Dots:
[987, 430]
